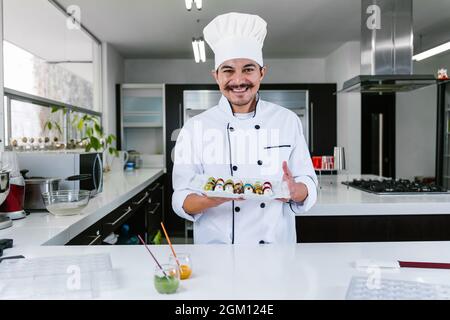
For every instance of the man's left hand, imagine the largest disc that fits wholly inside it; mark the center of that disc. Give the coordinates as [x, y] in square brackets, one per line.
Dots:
[298, 191]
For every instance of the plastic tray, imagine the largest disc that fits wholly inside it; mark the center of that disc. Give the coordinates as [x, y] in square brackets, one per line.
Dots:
[365, 288]
[279, 188]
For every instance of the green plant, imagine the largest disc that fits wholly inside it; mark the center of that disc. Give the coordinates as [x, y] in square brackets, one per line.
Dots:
[51, 124]
[95, 137]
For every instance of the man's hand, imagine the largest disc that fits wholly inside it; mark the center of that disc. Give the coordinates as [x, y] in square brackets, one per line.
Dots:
[298, 191]
[217, 201]
[195, 204]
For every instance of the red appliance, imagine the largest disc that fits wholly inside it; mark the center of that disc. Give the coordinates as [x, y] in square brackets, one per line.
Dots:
[13, 205]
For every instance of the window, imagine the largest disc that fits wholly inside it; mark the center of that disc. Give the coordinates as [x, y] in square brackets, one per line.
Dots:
[46, 58]
[47, 65]
[28, 127]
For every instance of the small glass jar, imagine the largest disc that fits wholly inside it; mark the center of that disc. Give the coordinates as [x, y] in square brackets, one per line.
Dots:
[185, 264]
[169, 282]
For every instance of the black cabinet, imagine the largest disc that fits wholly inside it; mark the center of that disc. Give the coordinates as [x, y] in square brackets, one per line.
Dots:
[323, 115]
[373, 228]
[378, 113]
[143, 213]
[91, 236]
[323, 128]
[155, 209]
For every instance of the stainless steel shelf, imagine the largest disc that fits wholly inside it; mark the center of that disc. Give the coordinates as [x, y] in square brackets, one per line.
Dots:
[142, 125]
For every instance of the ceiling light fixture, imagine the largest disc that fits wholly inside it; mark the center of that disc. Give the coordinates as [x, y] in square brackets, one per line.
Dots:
[196, 50]
[201, 45]
[198, 45]
[198, 4]
[432, 52]
[188, 4]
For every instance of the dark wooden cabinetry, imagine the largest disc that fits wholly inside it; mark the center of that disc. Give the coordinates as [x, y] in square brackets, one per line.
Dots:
[155, 209]
[143, 213]
[91, 236]
[373, 228]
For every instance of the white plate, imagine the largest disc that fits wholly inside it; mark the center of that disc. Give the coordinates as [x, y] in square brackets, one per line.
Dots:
[279, 188]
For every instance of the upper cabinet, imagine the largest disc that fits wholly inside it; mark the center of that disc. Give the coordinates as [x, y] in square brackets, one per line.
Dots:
[141, 121]
[142, 107]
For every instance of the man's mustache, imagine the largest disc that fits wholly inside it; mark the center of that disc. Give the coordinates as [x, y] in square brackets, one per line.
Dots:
[241, 86]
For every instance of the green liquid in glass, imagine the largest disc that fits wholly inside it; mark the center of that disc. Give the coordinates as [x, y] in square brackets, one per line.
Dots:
[166, 284]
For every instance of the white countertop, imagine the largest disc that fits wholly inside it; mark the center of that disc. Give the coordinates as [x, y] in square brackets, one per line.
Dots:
[336, 199]
[43, 228]
[298, 271]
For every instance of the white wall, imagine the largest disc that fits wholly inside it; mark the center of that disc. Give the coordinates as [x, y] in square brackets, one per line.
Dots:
[416, 124]
[341, 65]
[113, 73]
[187, 71]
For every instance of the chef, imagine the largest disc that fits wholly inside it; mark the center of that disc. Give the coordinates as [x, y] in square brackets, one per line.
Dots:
[242, 137]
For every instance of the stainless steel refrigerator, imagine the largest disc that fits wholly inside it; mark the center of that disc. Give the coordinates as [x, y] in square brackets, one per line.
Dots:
[197, 101]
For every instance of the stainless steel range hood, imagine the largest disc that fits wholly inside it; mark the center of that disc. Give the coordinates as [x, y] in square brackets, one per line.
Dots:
[387, 49]
[387, 83]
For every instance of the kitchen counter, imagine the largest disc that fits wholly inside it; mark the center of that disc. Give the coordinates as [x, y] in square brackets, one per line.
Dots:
[42, 228]
[335, 199]
[298, 271]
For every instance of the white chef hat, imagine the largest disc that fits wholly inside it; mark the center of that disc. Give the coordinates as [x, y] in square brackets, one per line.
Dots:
[236, 35]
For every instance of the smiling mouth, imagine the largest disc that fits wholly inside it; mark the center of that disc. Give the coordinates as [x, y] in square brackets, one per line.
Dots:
[239, 89]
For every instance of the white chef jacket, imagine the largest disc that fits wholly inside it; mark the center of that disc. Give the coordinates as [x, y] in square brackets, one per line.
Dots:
[218, 144]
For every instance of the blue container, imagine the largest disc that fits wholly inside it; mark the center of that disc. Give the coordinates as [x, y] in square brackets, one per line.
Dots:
[129, 166]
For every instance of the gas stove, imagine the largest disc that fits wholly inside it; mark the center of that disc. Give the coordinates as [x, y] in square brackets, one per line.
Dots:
[396, 187]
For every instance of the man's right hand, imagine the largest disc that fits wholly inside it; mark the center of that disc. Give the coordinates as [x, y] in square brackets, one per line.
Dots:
[195, 204]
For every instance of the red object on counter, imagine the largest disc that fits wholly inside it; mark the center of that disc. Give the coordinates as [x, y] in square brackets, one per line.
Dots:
[430, 265]
[15, 199]
[317, 162]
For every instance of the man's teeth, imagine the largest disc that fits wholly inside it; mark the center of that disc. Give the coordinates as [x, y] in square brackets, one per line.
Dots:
[239, 90]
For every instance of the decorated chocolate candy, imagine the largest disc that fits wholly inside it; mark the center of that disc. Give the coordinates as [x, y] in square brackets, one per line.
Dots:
[267, 191]
[267, 184]
[238, 188]
[212, 180]
[248, 188]
[208, 186]
[229, 187]
[220, 181]
[258, 188]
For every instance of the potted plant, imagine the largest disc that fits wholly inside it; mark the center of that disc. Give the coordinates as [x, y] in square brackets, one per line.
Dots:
[91, 133]
[94, 137]
[51, 125]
